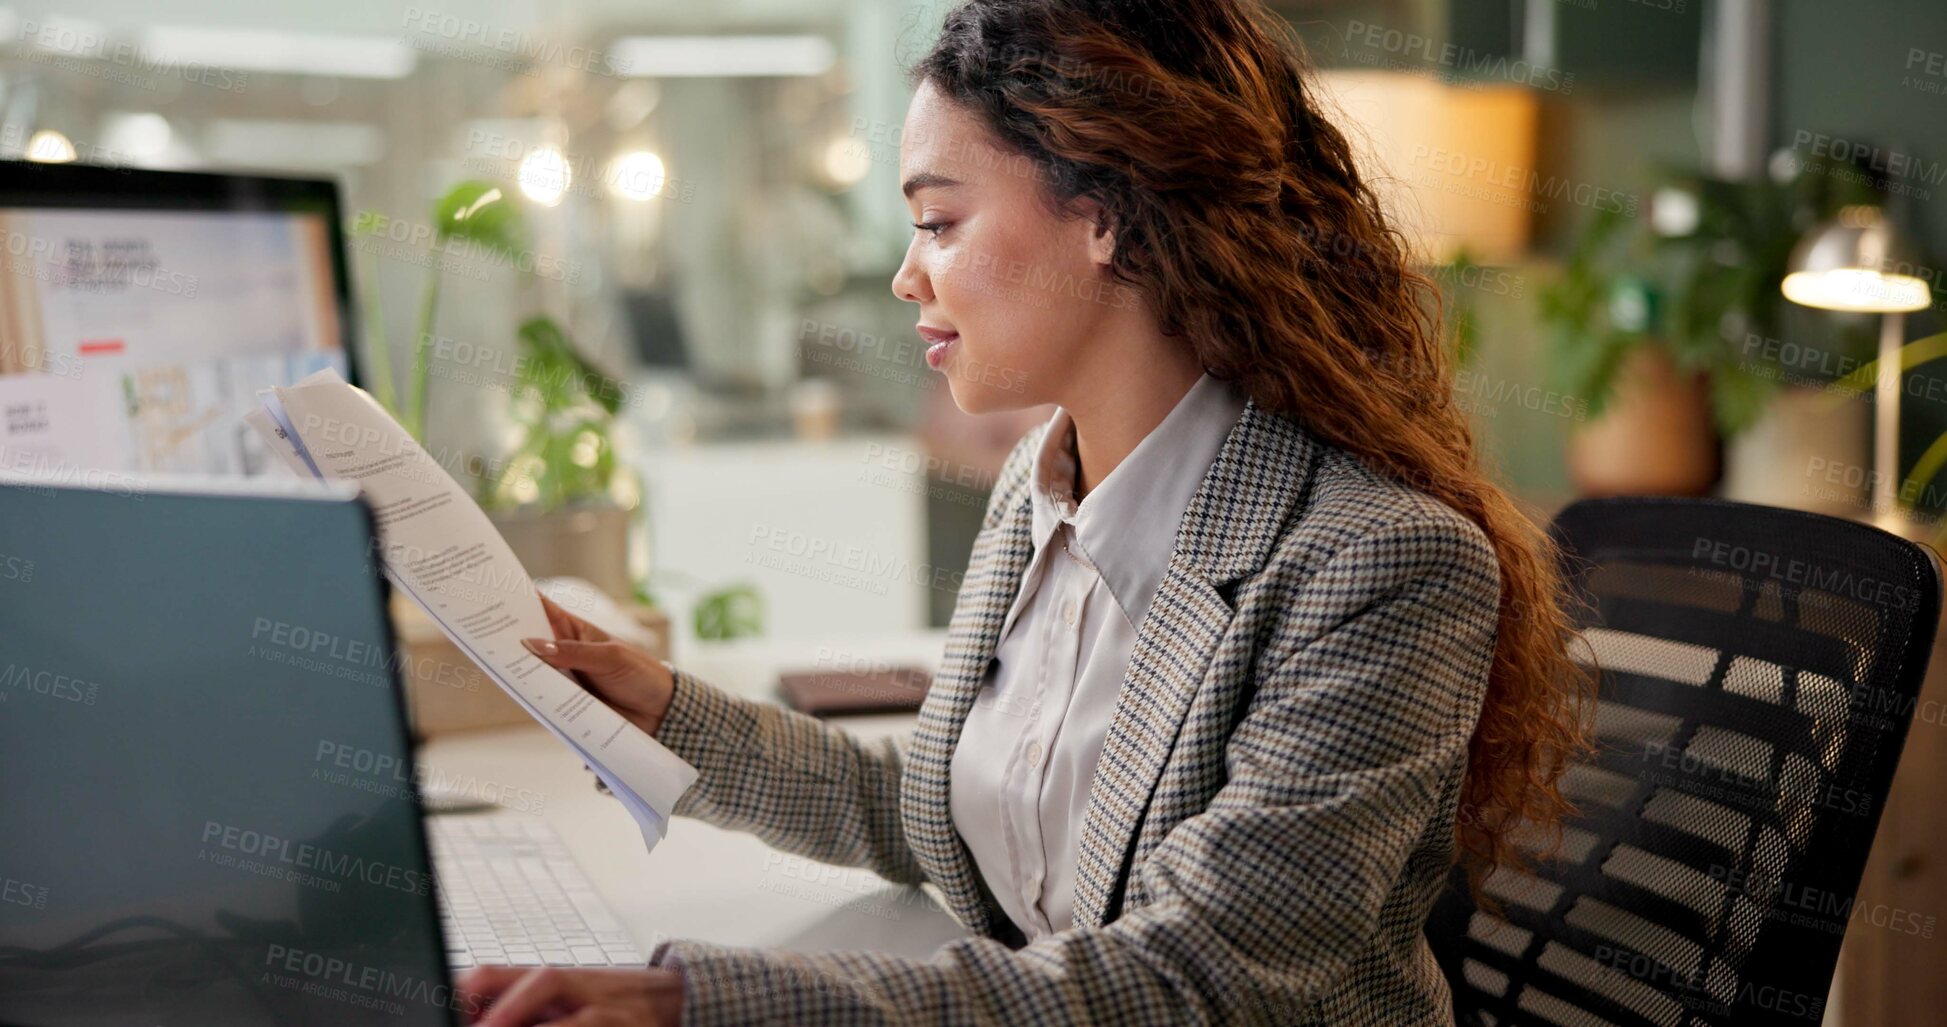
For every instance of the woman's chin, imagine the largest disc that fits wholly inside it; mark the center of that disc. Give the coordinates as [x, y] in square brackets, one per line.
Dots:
[971, 399]
[976, 398]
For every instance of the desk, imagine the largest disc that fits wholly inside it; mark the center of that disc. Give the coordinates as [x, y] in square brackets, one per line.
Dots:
[702, 882]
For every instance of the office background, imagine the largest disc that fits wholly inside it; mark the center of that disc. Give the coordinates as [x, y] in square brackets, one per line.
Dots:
[703, 206]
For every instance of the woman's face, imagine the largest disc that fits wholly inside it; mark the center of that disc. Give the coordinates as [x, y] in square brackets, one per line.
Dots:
[1009, 294]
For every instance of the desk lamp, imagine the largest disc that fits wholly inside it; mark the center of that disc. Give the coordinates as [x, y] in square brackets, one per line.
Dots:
[1848, 264]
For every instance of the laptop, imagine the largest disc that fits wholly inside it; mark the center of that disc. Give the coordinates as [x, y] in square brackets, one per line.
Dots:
[145, 308]
[211, 812]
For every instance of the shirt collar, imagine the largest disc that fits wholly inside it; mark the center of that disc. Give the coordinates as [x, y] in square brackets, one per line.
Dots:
[1126, 526]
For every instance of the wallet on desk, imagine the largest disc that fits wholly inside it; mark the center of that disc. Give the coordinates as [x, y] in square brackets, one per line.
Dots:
[838, 693]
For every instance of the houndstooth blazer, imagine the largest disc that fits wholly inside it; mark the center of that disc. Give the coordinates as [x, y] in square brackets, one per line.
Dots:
[1273, 812]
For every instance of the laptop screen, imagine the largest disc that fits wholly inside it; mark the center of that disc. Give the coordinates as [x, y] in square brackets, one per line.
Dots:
[141, 310]
[209, 813]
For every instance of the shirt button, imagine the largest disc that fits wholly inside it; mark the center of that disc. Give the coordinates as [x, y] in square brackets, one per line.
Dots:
[1068, 613]
[1034, 754]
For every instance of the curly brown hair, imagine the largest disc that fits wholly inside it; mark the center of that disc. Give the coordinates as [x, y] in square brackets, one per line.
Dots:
[1239, 214]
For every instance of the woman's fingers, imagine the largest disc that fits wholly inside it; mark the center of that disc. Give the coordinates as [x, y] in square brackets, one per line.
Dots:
[481, 986]
[559, 619]
[567, 625]
[621, 675]
[535, 994]
[599, 1016]
[594, 658]
[588, 998]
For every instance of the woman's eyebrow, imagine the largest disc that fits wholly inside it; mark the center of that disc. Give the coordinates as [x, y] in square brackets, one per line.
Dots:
[925, 180]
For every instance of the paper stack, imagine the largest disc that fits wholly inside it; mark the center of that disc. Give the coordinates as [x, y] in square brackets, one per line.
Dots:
[440, 549]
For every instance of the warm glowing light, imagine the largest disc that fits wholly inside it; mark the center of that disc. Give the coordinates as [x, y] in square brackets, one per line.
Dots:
[587, 449]
[145, 134]
[544, 175]
[1860, 290]
[50, 147]
[847, 161]
[637, 176]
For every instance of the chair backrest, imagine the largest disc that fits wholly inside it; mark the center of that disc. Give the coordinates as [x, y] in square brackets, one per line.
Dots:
[1758, 671]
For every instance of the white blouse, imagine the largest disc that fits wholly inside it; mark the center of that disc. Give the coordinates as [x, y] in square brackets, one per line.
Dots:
[1021, 772]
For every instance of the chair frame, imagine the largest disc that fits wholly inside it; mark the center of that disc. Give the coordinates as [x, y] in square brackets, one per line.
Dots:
[1787, 975]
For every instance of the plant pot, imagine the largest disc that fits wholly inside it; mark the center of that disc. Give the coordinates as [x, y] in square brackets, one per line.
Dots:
[588, 542]
[1654, 438]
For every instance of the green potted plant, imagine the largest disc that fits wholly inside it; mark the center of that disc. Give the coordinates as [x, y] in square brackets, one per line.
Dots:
[562, 498]
[1647, 325]
[471, 211]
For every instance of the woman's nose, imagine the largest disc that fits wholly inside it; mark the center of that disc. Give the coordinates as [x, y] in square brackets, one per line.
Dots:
[910, 283]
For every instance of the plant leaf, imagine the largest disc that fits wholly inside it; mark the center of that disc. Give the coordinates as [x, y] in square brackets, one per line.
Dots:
[483, 213]
[1865, 377]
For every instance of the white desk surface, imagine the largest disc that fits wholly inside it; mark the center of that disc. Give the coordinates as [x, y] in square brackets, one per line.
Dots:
[702, 882]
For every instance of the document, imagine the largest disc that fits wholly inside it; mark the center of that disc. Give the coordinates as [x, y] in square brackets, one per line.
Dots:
[439, 548]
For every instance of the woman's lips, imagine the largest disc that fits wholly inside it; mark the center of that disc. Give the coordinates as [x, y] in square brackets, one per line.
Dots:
[938, 344]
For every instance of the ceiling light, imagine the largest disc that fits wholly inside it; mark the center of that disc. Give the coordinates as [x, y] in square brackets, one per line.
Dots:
[846, 161]
[722, 56]
[636, 176]
[544, 175]
[288, 53]
[50, 147]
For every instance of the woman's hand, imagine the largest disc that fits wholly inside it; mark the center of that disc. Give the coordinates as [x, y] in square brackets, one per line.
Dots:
[634, 683]
[512, 996]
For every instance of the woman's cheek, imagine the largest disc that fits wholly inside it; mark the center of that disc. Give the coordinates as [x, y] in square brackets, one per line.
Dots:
[947, 266]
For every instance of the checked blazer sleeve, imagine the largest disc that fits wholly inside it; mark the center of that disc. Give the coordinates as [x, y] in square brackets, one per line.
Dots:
[1341, 781]
[798, 783]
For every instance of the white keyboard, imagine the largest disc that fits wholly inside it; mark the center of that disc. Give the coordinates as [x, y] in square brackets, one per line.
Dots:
[511, 895]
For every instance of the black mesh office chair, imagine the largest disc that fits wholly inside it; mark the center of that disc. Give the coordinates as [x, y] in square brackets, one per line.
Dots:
[1758, 671]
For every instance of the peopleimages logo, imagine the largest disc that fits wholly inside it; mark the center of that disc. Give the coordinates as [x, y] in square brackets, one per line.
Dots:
[522, 47]
[1926, 71]
[21, 678]
[339, 979]
[113, 266]
[68, 43]
[1819, 908]
[20, 893]
[1478, 170]
[369, 226]
[16, 568]
[1888, 171]
[367, 770]
[1801, 573]
[1892, 163]
[306, 856]
[1464, 60]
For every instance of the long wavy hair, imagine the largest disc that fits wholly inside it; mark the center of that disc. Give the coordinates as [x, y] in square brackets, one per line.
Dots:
[1239, 213]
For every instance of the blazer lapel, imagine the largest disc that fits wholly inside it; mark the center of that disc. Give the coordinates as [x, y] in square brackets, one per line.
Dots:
[1170, 658]
[1252, 489]
[986, 595]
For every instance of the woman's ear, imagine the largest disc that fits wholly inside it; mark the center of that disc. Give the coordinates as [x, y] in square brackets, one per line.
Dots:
[1101, 234]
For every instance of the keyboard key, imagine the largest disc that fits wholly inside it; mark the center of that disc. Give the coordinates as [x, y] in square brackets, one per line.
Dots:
[511, 894]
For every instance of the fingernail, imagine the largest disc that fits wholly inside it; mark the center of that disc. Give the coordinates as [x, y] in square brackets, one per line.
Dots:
[541, 647]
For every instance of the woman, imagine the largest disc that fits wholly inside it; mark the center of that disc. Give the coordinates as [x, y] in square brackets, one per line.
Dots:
[1244, 632]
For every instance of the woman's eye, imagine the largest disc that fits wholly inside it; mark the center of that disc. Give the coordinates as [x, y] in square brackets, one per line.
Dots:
[935, 227]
